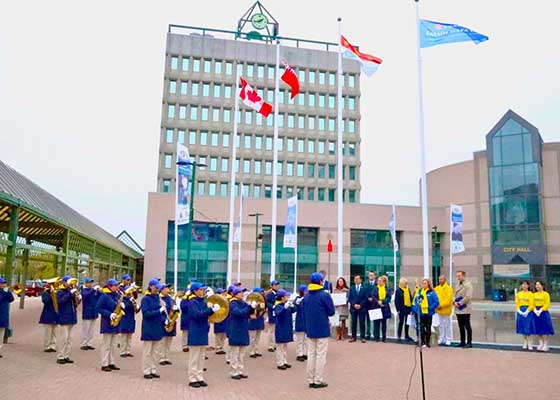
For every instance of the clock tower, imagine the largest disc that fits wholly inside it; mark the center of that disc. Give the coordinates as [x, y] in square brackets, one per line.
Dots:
[257, 24]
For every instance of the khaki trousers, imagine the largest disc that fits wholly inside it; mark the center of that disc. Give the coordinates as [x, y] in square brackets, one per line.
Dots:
[255, 337]
[2, 331]
[220, 341]
[149, 356]
[185, 339]
[108, 348]
[163, 349]
[236, 356]
[301, 344]
[64, 341]
[196, 363]
[316, 359]
[281, 354]
[49, 337]
[88, 326]
[444, 328]
[125, 343]
[271, 339]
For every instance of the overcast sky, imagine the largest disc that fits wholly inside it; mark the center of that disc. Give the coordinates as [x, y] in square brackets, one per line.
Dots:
[81, 88]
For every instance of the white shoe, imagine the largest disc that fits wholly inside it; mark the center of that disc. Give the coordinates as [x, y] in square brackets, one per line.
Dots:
[448, 343]
[423, 345]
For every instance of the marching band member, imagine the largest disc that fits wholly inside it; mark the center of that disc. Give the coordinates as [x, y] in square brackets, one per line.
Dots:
[127, 327]
[220, 328]
[67, 318]
[153, 320]
[270, 301]
[256, 327]
[165, 344]
[48, 319]
[184, 305]
[6, 297]
[318, 306]
[524, 304]
[239, 313]
[301, 348]
[90, 296]
[283, 309]
[543, 323]
[198, 333]
[106, 307]
[125, 282]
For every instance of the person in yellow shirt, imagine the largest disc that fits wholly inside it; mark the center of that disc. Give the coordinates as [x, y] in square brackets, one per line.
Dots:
[524, 304]
[543, 323]
[445, 296]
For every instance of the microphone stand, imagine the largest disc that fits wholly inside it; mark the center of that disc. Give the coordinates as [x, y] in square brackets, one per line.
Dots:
[419, 334]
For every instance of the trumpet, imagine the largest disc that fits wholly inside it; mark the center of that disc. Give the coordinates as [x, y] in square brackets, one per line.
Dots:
[71, 284]
[17, 289]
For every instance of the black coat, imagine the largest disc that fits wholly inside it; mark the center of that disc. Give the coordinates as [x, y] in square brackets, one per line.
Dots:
[399, 301]
[358, 297]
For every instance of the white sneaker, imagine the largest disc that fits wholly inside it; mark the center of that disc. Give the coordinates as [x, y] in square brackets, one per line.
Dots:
[423, 345]
[448, 343]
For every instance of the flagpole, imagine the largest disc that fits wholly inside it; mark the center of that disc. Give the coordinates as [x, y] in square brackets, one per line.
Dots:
[176, 228]
[424, 194]
[395, 261]
[339, 190]
[275, 167]
[451, 265]
[295, 249]
[240, 234]
[232, 179]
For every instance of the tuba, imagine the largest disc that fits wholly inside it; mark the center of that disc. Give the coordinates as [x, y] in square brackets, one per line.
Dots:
[222, 313]
[54, 285]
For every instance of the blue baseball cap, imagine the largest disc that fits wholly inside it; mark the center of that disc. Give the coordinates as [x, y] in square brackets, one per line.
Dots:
[281, 293]
[316, 277]
[258, 290]
[2, 280]
[89, 280]
[197, 285]
[65, 278]
[274, 282]
[220, 290]
[230, 288]
[112, 282]
[238, 290]
[163, 286]
[126, 277]
[302, 288]
[237, 284]
[153, 282]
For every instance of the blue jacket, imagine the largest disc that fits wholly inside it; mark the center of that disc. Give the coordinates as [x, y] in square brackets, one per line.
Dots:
[317, 308]
[360, 298]
[270, 300]
[67, 314]
[222, 327]
[48, 315]
[300, 324]
[128, 321]
[152, 318]
[284, 330]
[399, 301]
[386, 307]
[198, 322]
[169, 303]
[433, 302]
[90, 297]
[256, 324]
[184, 314]
[239, 313]
[105, 307]
[5, 299]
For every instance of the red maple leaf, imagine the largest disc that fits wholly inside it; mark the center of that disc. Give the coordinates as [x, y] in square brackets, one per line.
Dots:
[252, 95]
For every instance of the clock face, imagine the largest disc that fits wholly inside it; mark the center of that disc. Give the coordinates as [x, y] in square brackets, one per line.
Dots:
[259, 21]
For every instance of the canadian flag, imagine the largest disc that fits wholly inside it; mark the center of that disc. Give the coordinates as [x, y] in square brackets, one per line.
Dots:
[289, 76]
[252, 99]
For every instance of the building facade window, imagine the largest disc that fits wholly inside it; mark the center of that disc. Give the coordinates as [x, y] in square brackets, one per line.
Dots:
[169, 136]
[166, 185]
[174, 63]
[168, 161]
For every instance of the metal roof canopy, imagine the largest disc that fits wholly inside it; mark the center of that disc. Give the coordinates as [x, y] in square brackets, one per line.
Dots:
[45, 219]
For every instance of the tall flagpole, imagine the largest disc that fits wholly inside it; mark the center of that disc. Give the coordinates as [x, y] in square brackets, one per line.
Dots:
[295, 248]
[176, 229]
[339, 190]
[450, 246]
[424, 194]
[240, 234]
[395, 262]
[275, 167]
[232, 179]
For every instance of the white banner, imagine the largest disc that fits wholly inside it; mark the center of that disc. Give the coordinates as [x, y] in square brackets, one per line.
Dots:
[290, 229]
[457, 245]
[392, 228]
[237, 232]
[183, 185]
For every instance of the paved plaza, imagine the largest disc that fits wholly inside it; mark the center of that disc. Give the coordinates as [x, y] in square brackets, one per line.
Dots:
[353, 370]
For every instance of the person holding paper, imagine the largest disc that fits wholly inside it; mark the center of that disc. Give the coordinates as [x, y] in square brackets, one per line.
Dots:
[358, 300]
[341, 309]
[463, 293]
[425, 305]
[370, 284]
[381, 294]
[445, 296]
[403, 304]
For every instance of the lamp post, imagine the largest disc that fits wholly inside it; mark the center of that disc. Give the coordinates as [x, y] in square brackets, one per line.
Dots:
[194, 164]
[257, 237]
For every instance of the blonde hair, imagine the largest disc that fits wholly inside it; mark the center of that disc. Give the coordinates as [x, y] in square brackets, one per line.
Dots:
[403, 282]
[385, 278]
[430, 286]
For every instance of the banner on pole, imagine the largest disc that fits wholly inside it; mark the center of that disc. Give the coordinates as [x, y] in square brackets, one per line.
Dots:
[457, 245]
[290, 230]
[393, 232]
[237, 231]
[183, 185]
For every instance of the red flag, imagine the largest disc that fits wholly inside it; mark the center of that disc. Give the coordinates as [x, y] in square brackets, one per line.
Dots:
[289, 76]
[252, 99]
[329, 246]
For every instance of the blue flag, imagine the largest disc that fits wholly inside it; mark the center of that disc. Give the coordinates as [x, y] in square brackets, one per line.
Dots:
[435, 33]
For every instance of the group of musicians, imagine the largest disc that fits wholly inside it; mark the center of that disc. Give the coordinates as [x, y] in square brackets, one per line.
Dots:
[237, 315]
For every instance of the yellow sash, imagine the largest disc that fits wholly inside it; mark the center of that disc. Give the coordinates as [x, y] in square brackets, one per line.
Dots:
[406, 296]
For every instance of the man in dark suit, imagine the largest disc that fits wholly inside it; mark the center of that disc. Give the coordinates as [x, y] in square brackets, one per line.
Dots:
[371, 284]
[358, 300]
[327, 286]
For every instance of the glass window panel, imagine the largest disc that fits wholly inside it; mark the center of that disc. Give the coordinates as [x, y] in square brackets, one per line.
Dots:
[204, 114]
[203, 138]
[270, 72]
[351, 103]
[311, 76]
[351, 126]
[207, 66]
[300, 168]
[511, 127]
[332, 194]
[182, 112]
[194, 89]
[256, 191]
[240, 69]
[268, 144]
[280, 144]
[301, 122]
[225, 162]
[332, 102]
[352, 173]
[310, 146]
[216, 115]
[332, 148]
[301, 76]
[512, 149]
[279, 168]
[290, 144]
[174, 62]
[512, 179]
[196, 65]
[229, 68]
[321, 171]
[258, 142]
[185, 64]
[291, 121]
[268, 192]
[227, 92]
[496, 188]
[217, 91]
[321, 147]
[301, 146]
[213, 164]
[201, 188]
[260, 71]
[166, 185]
[258, 164]
[246, 166]
[321, 194]
[250, 70]
[527, 148]
[183, 88]
[310, 194]
[167, 160]
[212, 188]
[497, 150]
[279, 192]
[171, 111]
[533, 210]
[331, 124]
[532, 178]
[227, 115]
[247, 141]
[268, 168]
[248, 117]
[172, 87]
[311, 170]
[311, 122]
[223, 189]
[289, 168]
[351, 81]
[214, 139]
[217, 67]
[332, 79]
[321, 78]
[289, 192]
[321, 100]
[181, 137]
[225, 139]
[311, 99]
[321, 123]
[332, 169]
[169, 136]
[352, 196]
[192, 137]
[206, 89]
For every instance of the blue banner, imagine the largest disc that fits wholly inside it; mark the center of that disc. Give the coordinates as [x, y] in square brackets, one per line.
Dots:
[435, 33]
[290, 229]
[183, 185]
[457, 245]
